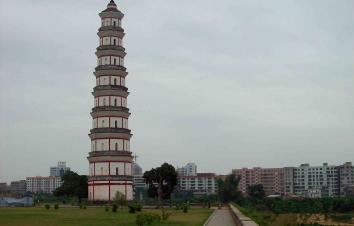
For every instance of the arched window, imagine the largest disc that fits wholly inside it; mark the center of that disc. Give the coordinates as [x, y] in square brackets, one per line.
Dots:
[102, 123]
[117, 171]
[114, 42]
[115, 102]
[115, 82]
[114, 23]
[114, 61]
[116, 124]
[104, 101]
[116, 146]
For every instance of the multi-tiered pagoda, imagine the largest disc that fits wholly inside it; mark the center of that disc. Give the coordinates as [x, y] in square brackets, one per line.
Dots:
[110, 158]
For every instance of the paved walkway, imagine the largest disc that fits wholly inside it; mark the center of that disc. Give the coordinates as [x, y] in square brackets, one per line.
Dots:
[221, 218]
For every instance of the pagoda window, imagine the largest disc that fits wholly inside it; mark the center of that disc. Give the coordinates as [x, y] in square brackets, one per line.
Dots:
[115, 102]
[115, 82]
[116, 146]
[117, 171]
[116, 124]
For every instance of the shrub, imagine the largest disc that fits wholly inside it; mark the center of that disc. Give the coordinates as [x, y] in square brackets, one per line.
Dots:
[342, 217]
[147, 219]
[47, 206]
[165, 215]
[114, 208]
[135, 208]
[106, 208]
[84, 207]
[185, 208]
[131, 209]
[56, 206]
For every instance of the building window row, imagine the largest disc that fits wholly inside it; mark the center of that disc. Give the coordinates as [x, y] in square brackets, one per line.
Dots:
[111, 41]
[111, 22]
[110, 145]
[110, 122]
[110, 80]
[111, 60]
[112, 101]
[110, 169]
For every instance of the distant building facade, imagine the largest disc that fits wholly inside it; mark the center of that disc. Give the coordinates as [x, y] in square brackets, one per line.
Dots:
[200, 184]
[18, 187]
[189, 170]
[59, 170]
[139, 185]
[43, 184]
[303, 181]
[272, 179]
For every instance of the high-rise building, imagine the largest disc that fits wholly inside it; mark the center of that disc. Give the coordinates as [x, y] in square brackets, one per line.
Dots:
[346, 179]
[199, 184]
[43, 184]
[272, 179]
[18, 187]
[110, 159]
[59, 170]
[316, 181]
[139, 184]
[188, 170]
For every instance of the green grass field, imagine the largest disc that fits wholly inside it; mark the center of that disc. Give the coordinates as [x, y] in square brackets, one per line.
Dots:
[93, 217]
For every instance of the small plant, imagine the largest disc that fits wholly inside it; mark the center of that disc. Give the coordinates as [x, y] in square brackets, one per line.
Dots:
[135, 208]
[47, 206]
[80, 205]
[56, 206]
[131, 209]
[114, 208]
[84, 207]
[147, 219]
[185, 208]
[106, 208]
[165, 215]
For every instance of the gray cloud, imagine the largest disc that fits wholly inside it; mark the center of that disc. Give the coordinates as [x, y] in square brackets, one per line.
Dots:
[223, 83]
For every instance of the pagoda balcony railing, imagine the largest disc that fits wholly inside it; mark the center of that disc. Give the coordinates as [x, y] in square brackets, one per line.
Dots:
[110, 67]
[110, 108]
[110, 130]
[110, 178]
[111, 28]
[110, 47]
[110, 87]
[109, 153]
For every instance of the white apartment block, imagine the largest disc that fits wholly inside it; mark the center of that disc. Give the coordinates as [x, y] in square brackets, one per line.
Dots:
[59, 170]
[189, 170]
[200, 184]
[316, 181]
[42, 184]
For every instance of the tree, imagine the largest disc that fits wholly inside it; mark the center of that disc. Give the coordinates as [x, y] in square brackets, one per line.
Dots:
[162, 181]
[73, 185]
[227, 189]
[256, 192]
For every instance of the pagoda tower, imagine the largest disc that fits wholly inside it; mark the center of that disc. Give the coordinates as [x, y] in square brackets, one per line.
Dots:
[110, 158]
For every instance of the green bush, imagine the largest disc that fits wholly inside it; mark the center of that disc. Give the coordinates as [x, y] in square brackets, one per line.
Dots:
[47, 206]
[84, 207]
[114, 208]
[106, 208]
[135, 208]
[185, 208]
[56, 206]
[147, 219]
[165, 215]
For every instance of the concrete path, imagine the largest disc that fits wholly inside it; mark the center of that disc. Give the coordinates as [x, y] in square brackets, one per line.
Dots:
[221, 217]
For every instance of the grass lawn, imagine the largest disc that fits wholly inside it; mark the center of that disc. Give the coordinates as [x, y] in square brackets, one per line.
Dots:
[93, 217]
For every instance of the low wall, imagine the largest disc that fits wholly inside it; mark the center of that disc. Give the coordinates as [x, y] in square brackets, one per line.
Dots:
[241, 220]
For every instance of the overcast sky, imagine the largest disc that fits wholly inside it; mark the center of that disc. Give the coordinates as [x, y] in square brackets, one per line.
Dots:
[225, 84]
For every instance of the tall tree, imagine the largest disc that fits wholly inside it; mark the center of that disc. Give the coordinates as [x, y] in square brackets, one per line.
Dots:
[227, 189]
[73, 185]
[161, 180]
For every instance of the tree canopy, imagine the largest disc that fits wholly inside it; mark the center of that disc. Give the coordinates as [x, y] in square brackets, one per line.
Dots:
[256, 192]
[161, 180]
[73, 185]
[228, 189]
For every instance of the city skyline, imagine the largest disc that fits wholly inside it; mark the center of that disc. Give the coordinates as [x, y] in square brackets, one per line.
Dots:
[244, 84]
